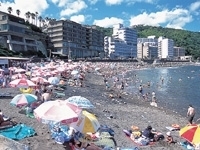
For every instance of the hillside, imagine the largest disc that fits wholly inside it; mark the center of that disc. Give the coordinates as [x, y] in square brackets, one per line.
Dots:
[182, 38]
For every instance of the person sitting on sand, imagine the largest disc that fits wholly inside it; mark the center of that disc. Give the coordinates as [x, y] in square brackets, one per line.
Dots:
[169, 138]
[147, 133]
[78, 145]
[46, 96]
[3, 122]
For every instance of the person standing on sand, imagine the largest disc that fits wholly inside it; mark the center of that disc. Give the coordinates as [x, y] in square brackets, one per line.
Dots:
[190, 113]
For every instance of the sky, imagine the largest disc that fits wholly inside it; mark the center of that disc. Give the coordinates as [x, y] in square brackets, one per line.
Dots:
[178, 14]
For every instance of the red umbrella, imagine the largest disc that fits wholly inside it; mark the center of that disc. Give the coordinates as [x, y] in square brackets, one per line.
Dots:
[22, 83]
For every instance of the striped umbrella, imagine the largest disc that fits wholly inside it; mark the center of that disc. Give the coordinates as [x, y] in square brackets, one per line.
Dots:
[23, 99]
[23, 83]
[57, 111]
[87, 122]
[191, 133]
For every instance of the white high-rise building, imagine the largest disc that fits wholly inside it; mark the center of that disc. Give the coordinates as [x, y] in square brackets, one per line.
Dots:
[165, 48]
[123, 42]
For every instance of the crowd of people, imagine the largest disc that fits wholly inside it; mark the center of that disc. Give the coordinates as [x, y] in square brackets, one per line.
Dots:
[114, 77]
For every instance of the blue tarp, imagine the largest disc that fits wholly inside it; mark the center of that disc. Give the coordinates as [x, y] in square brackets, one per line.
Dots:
[18, 132]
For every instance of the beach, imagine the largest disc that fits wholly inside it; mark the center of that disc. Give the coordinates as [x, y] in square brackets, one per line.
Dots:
[117, 113]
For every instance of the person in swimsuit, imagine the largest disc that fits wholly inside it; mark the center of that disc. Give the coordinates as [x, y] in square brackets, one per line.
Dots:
[190, 113]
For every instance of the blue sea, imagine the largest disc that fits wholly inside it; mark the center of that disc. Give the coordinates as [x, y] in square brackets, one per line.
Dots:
[180, 87]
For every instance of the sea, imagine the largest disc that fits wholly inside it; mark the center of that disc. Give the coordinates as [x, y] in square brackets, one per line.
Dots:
[179, 88]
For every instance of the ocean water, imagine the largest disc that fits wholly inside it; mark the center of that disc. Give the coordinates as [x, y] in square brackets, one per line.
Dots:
[180, 87]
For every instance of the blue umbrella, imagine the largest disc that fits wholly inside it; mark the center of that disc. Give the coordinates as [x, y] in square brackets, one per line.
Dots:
[23, 99]
[80, 101]
[54, 80]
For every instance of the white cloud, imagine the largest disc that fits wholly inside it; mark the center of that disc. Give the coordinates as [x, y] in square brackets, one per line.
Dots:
[108, 22]
[113, 2]
[194, 6]
[79, 18]
[117, 2]
[176, 18]
[93, 1]
[24, 6]
[73, 8]
[61, 3]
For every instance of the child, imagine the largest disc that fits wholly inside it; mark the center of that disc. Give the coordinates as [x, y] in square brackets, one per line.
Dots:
[169, 138]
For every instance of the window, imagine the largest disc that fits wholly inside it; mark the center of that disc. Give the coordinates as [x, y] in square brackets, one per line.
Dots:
[4, 27]
[4, 17]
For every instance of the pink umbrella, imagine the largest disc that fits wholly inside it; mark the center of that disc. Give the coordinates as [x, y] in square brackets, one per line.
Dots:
[39, 79]
[20, 70]
[22, 83]
[57, 111]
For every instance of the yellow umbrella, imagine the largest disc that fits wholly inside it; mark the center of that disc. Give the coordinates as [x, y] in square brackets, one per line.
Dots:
[191, 133]
[87, 122]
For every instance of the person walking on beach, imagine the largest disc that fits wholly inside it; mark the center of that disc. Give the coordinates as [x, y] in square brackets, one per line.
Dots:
[190, 114]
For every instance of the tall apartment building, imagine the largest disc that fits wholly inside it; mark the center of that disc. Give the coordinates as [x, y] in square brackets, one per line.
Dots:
[123, 42]
[165, 48]
[17, 36]
[75, 40]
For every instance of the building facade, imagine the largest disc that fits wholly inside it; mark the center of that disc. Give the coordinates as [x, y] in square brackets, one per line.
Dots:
[179, 52]
[75, 40]
[122, 44]
[147, 48]
[16, 35]
[165, 48]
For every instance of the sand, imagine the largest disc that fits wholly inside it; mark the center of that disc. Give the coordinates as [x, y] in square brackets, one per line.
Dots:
[125, 111]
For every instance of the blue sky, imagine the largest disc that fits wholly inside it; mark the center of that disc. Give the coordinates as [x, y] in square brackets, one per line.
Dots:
[178, 14]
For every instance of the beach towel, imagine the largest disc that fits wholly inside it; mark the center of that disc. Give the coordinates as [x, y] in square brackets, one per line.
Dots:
[139, 141]
[18, 132]
[106, 140]
[187, 145]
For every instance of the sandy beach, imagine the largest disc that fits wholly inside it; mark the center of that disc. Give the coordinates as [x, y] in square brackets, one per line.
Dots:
[117, 113]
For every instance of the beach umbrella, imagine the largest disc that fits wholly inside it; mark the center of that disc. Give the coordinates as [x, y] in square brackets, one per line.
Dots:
[87, 122]
[23, 99]
[74, 72]
[18, 70]
[22, 83]
[81, 102]
[57, 111]
[39, 79]
[54, 80]
[191, 133]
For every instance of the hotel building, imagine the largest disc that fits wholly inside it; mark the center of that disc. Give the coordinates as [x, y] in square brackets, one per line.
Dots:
[165, 48]
[122, 44]
[16, 35]
[75, 40]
